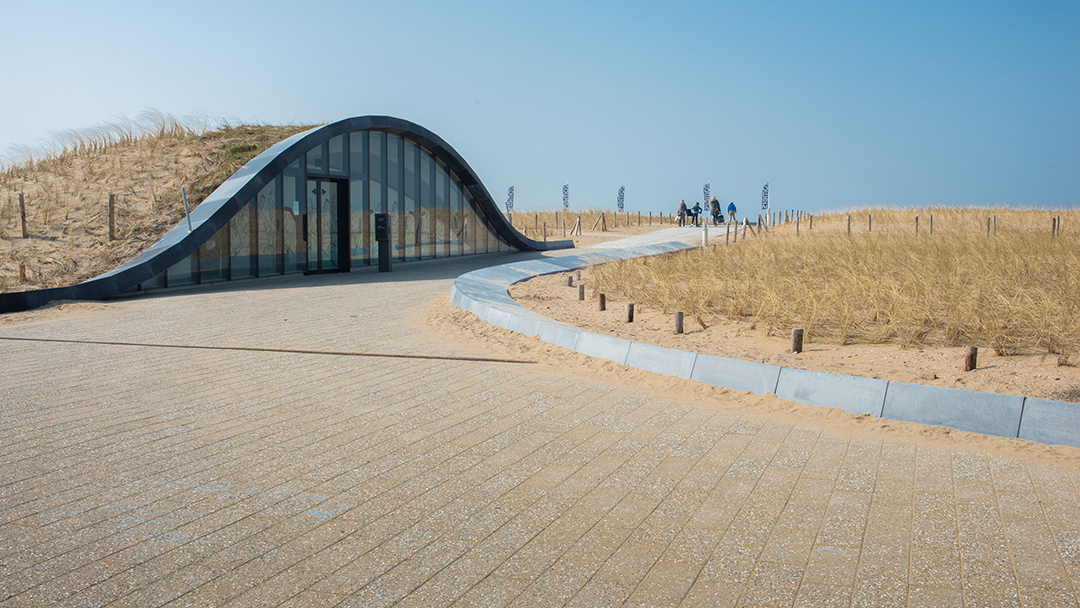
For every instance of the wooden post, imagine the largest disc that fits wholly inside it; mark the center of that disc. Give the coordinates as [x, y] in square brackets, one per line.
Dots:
[811, 222]
[650, 218]
[629, 312]
[971, 358]
[556, 220]
[1053, 224]
[603, 222]
[796, 340]
[112, 217]
[569, 280]
[995, 225]
[849, 224]
[22, 214]
[869, 222]
[916, 224]
[988, 226]
[536, 223]
[736, 231]
[581, 292]
[22, 272]
[638, 218]
[797, 218]
[545, 231]
[931, 224]
[678, 323]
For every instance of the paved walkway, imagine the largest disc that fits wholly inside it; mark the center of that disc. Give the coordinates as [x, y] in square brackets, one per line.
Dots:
[147, 476]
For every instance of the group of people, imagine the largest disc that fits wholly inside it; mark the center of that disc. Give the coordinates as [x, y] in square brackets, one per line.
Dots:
[690, 216]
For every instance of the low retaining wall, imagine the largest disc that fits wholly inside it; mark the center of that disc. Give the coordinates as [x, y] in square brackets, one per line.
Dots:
[485, 293]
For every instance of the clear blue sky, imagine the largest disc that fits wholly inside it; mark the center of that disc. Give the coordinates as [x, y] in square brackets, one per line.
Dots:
[838, 104]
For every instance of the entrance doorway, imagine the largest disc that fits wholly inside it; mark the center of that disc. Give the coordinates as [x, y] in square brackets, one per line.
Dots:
[323, 225]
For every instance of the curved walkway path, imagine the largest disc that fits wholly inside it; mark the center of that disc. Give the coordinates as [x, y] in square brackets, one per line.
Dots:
[154, 475]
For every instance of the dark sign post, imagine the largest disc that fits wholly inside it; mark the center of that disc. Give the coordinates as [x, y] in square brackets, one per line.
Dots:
[382, 236]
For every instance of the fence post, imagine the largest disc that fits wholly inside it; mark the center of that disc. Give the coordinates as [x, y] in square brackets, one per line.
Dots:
[931, 224]
[796, 340]
[869, 222]
[849, 225]
[22, 214]
[112, 217]
[581, 292]
[678, 323]
[629, 312]
[971, 357]
[602, 302]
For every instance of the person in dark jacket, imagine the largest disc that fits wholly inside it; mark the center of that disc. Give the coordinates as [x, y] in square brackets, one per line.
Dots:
[682, 212]
[695, 213]
[714, 211]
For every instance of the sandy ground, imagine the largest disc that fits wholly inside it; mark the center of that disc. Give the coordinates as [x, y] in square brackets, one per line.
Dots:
[1037, 376]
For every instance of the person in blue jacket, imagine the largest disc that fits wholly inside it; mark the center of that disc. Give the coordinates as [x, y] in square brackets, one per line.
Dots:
[695, 213]
[731, 211]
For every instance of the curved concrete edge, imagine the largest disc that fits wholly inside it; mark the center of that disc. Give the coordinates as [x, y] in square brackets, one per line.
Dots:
[485, 293]
[852, 394]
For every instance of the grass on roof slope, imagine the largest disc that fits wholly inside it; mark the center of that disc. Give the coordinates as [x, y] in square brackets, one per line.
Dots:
[67, 195]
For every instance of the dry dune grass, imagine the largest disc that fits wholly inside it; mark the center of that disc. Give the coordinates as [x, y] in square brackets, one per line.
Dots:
[1016, 290]
[144, 164]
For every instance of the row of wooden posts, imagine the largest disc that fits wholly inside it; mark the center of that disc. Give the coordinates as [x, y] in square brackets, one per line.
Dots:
[787, 217]
[112, 216]
[971, 353]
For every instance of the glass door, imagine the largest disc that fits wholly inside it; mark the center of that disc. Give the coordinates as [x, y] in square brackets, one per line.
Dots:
[322, 226]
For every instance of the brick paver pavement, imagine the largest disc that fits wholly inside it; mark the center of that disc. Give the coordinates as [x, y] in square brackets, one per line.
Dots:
[135, 476]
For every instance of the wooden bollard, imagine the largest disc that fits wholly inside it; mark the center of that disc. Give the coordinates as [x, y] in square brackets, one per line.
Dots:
[581, 292]
[796, 340]
[629, 312]
[678, 323]
[112, 217]
[22, 214]
[849, 224]
[931, 224]
[971, 358]
[545, 231]
[601, 302]
[811, 218]
[569, 280]
[916, 224]
[869, 222]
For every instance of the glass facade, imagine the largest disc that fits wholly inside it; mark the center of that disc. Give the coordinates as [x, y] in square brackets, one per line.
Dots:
[318, 215]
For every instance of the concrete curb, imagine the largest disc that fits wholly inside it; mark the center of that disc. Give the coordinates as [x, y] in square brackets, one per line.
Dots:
[485, 293]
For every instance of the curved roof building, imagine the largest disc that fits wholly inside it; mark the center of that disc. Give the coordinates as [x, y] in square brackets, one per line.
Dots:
[308, 204]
